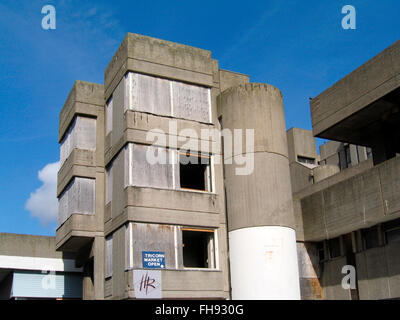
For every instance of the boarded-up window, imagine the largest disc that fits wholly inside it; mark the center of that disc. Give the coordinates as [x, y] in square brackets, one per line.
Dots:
[109, 113]
[109, 182]
[149, 94]
[152, 238]
[191, 102]
[168, 98]
[143, 172]
[81, 134]
[109, 249]
[77, 198]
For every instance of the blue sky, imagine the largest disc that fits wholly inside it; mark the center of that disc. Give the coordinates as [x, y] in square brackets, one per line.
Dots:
[298, 46]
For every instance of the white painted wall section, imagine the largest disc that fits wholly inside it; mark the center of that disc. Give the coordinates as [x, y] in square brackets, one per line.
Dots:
[264, 263]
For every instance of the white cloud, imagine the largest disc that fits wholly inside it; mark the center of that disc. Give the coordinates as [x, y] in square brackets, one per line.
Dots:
[43, 203]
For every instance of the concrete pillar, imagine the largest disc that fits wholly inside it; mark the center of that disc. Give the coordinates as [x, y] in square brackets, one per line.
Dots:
[99, 259]
[262, 240]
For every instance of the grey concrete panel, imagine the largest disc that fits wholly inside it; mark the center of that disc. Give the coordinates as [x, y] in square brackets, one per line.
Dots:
[25, 245]
[231, 79]
[118, 279]
[118, 110]
[301, 142]
[331, 280]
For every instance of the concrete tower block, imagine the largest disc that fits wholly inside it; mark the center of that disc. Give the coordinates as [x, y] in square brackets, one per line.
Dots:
[261, 221]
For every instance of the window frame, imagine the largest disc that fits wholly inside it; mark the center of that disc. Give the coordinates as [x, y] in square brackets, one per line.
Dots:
[212, 253]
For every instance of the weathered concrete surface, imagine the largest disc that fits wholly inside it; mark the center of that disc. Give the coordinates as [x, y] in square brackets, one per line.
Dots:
[84, 98]
[337, 206]
[250, 200]
[309, 271]
[160, 58]
[301, 176]
[137, 124]
[365, 85]
[231, 79]
[12, 244]
[301, 142]
[185, 284]
[324, 171]
[331, 280]
[378, 272]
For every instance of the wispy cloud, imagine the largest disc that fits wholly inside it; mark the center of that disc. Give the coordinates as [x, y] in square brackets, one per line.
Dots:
[86, 35]
[249, 34]
[42, 203]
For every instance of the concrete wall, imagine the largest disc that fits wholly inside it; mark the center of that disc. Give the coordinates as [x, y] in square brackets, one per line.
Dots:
[301, 142]
[25, 245]
[378, 272]
[358, 89]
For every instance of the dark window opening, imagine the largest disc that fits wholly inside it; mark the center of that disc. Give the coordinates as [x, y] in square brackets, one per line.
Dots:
[305, 160]
[321, 251]
[334, 248]
[347, 155]
[194, 171]
[392, 231]
[369, 153]
[198, 248]
[370, 238]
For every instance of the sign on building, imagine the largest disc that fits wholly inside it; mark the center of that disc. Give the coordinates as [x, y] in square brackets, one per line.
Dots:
[153, 260]
[147, 284]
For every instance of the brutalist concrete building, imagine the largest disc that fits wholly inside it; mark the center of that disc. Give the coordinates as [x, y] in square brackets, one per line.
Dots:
[179, 180]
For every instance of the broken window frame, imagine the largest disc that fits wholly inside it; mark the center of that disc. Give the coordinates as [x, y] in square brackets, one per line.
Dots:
[212, 249]
[173, 155]
[130, 241]
[208, 174]
[305, 160]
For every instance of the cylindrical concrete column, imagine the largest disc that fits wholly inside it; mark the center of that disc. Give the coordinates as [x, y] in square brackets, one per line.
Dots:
[262, 241]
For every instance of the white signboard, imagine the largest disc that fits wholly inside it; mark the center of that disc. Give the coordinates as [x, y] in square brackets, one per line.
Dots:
[147, 284]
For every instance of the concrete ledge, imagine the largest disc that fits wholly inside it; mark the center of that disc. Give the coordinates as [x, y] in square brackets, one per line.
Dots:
[84, 98]
[12, 244]
[71, 171]
[366, 84]
[77, 157]
[77, 226]
[159, 58]
[188, 280]
[172, 199]
[137, 125]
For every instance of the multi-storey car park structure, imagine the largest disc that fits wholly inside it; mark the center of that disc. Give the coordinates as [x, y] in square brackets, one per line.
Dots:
[206, 228]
